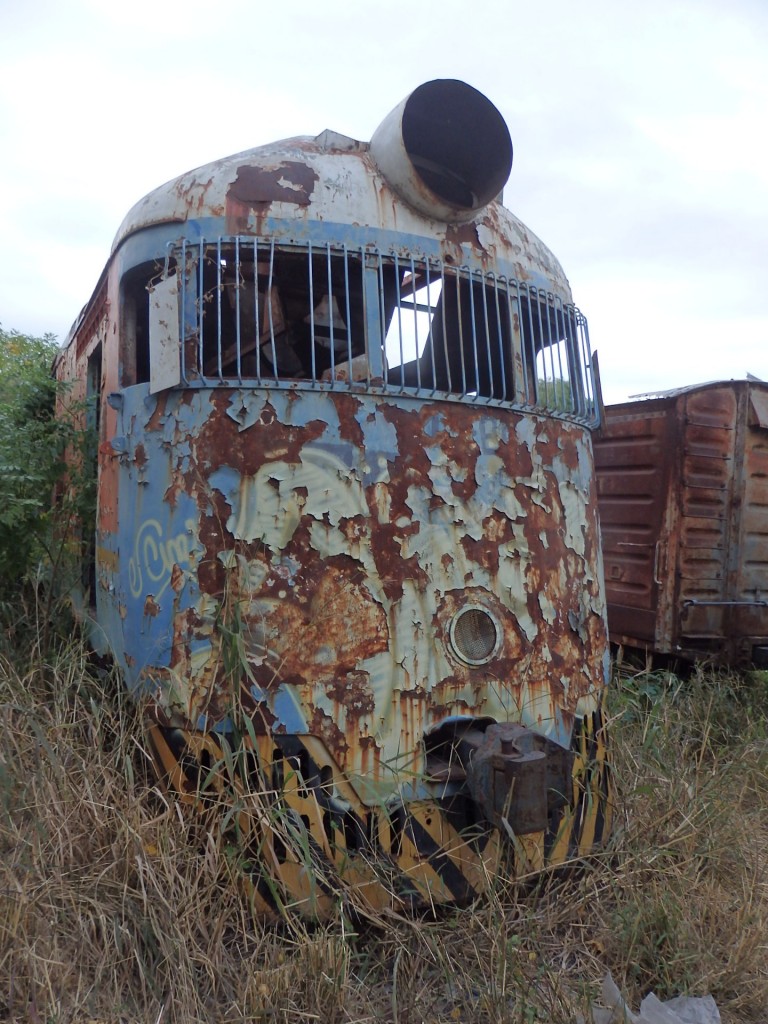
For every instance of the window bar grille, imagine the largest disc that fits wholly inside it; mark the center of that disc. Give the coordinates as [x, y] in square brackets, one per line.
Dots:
[227, 324]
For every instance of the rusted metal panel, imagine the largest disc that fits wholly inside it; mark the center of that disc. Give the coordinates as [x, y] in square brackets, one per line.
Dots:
[682, 475]
[633, 459]
[345, 533]
[707, 511]
[164, 342]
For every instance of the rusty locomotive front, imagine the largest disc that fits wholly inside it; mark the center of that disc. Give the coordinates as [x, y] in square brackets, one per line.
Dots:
[346, 508]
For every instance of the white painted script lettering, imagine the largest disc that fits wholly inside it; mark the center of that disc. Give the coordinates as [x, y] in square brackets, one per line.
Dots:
[154, 557]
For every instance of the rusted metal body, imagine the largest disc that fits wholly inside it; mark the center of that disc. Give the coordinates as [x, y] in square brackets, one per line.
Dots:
[347, 505]
[683, 493]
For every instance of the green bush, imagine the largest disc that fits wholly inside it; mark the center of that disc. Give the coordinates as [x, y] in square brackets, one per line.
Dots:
[35, 535]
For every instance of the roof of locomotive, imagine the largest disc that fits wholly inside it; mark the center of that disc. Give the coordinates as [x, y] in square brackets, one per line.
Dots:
[285, 187]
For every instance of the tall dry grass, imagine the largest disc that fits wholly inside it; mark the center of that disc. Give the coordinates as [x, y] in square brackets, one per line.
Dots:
[115, 906]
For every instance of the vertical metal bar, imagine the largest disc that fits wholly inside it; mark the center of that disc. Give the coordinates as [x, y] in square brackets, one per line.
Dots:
[473, 322]
[515, 337]
[310, 269]
[430, 341]
[547, 367]
[219, 290]
[416, 322]
[459, 325]
[534, 313]
[399, 315]
[237, 309]
[256, 306]
[374, 306]
[575, 362]
[589, 375]
[347, 314]
[579, 384]
[485, 282]
[497, 284]
[551, 388]
[561, 339]
[181, 270]
[268, 300]
[200, 310]
[446, 353]
[330, 310]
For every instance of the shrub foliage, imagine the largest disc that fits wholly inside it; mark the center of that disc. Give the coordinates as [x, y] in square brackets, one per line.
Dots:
[37, 512]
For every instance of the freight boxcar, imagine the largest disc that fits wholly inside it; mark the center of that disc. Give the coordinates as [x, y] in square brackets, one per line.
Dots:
[683, 495]
[347, 550]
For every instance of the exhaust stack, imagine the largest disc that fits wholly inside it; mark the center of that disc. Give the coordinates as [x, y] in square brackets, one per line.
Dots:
[445, 149]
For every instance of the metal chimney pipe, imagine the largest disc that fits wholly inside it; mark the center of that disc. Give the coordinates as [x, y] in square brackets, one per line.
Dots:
[445, 150]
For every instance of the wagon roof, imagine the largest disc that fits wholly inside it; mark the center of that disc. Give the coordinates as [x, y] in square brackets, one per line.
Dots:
[671, 393]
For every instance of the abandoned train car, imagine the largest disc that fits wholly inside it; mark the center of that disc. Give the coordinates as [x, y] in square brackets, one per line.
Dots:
[683, 496]
[347, 513]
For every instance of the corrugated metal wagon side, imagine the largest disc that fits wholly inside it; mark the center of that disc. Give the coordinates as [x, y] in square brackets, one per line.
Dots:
[683, 495]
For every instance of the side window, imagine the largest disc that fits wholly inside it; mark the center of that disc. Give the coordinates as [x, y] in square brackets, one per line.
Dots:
[134, 324]
[554, 355]
[260, 312]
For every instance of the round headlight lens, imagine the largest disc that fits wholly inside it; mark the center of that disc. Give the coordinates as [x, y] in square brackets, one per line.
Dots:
[474, 635]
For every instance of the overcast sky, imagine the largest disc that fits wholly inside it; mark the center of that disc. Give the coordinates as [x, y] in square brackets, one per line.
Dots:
[640, 134]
